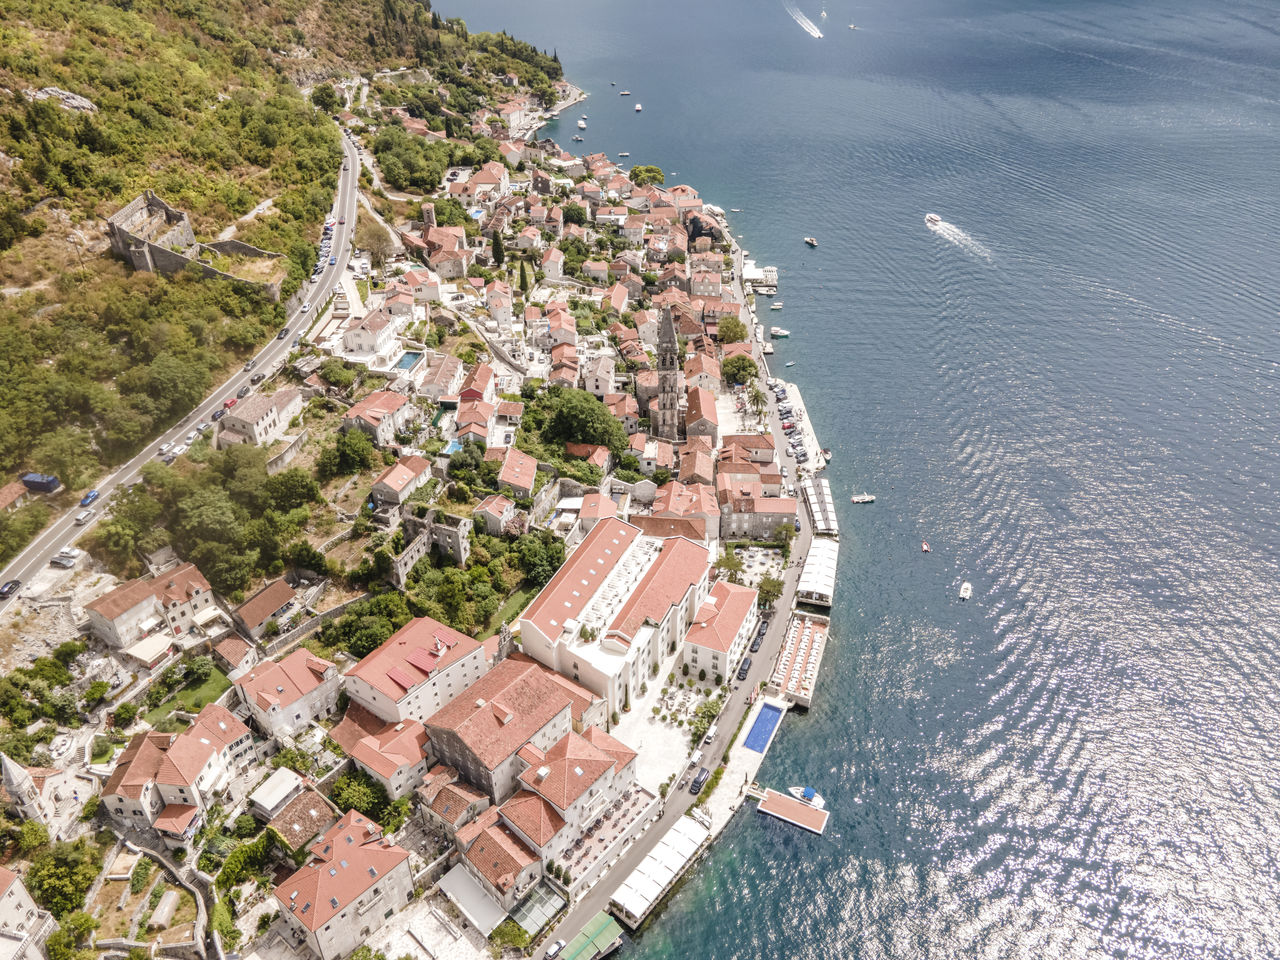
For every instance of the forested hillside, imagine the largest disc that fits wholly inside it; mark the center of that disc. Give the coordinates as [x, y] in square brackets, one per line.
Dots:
[197, 100]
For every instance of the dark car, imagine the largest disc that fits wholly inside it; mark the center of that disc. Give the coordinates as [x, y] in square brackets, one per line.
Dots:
[699, 781]
[88, 498]
[168, 461]
[257, 378]
[797, 525]
[755, 643]
[745, 668]
[9, 589]
[219, 414]
[282, 334]
[242, 392]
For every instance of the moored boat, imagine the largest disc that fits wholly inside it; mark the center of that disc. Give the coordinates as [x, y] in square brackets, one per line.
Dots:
[811, 241]
[624, 93]
[638, 108]
[966, 590]
[624, 154]
[808, 795]
[582, 124]
[775, 306]
[778, 333]
[863, 497]
[826, 455]
[790, 363]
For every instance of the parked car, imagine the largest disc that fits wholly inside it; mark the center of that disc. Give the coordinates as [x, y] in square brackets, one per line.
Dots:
[166, 447]
[554, 949]
[204, 426]
[243, 392]
[228, 403]
[797, 524]
[306, 306]
[257, 378]
[784, 470]
[699, 781]
[88, 498]
[250, 364]
[333, 261]
[168, 461]
[194, 435]
[179, 450]
[9, 589]
[745, 668]
[219, 414]
[342, 219]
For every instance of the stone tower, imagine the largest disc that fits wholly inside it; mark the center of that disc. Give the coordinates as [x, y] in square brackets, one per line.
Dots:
[18, 782]
[664, 414]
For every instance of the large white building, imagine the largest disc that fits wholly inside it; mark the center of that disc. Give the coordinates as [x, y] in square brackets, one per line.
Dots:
[617, 606]
[420, 669]
[171, 603]
[285, 697]
[355, 880]
[260, 419]
[168, 780]
[23, 926]
[722, 630]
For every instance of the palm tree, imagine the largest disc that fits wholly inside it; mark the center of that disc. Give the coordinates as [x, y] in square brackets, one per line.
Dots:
[756, 400]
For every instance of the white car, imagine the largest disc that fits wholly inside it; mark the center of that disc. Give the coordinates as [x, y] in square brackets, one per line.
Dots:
[306, 306]
[179, 450]
[166, 447]
[192, 437]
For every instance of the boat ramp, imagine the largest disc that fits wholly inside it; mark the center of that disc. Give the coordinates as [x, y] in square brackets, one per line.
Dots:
[796, 672]
[822, 507]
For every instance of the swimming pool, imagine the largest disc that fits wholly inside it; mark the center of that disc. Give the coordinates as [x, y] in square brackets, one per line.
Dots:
[453, 447]
[408, 359]
[762, 730]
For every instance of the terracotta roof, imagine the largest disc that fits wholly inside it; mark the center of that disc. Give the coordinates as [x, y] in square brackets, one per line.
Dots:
[500, 855]
[518, 469]
[7, 877]
[392, 747]
[375, 407]
[479, 379]
[10, 493]
[575, 583]
[697, 468]
[701, 363]
[533, 816]
[285, 682]
[349, 859]
[495, 505]
[498, 713]
[702, 406]
[719, 619]
[175, 817]
[677, 499]
[597, 506]
[453, 800]
[572, 766]
[619, 751]
[411, 656]
[263, 605]
[123, 598]
[681, 564]
[694, 528]
[580, 697]
[403, 471]
[233, 649]
[303, 817]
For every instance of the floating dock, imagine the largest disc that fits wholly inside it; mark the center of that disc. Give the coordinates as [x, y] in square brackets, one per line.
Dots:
[794, 811]
[796, 672]
[818, 578]
[822, 507]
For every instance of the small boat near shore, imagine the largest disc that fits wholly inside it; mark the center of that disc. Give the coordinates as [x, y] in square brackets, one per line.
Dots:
[778, 333]
[624, 93]
[826, 454]
[767, 349]
[577, 139]
[638, 108]
[808, 795]
[734, 210]
[624, 154]
[789, 363]
[775, 306]
[966, 590]
[863, 497]
[582, 124]
[811, 241]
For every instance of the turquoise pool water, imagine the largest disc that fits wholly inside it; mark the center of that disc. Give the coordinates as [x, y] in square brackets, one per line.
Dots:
[409, 359]
[762, 729]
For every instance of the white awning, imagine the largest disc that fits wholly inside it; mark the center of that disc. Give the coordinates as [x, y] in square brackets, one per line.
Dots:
[208, 615]
[150, 649]
[472, 899]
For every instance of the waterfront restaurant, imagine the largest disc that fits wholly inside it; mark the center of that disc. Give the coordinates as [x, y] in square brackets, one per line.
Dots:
[818, 578]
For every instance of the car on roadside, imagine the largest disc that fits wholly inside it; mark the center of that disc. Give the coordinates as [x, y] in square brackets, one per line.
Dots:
[784, 469]
[306, 306]
[228, 403]
[179, 450]
[250, 364]
[342, 219]
[204, 426]
[192, 437]
[797, 524]
[554, 949]
[699, 781]
[243, 392]
[66, 557]
[165, 447]
[745, 668]
[333, 261]
[168, 461]
[257, 378]
[9, 589]
[297, 342]
[88, 498]
[218, 415]
[283, 333]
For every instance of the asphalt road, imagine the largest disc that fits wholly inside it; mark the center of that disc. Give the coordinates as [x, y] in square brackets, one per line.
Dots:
[35, 558]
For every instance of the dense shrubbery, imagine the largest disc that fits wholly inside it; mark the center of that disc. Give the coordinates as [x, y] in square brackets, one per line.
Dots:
[359, 791]
[61, 875]
[229, 518]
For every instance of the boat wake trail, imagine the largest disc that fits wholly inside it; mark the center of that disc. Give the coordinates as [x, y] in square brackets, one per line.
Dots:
[806, 24]
[949, 231]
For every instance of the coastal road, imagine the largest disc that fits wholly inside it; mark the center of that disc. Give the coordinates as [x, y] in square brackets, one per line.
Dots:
[679, 801]
[35, 558]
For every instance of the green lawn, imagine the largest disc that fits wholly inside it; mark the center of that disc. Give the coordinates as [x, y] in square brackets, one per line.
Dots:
[511, 609]
[206, 693]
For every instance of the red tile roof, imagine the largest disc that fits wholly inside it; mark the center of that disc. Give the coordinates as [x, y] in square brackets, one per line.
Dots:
[681, 564]
[285, 682]
[376, 407]
[259, 608]
[350, 858]
[175, 817]
[572, 766]
[533, 816]
[727, 607]
[498, 713]
[570, 590]
[500, 855]
[413, 654]
[403, 471]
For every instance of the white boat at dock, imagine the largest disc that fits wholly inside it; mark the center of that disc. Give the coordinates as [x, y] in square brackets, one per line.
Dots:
[638, 108]
[863, 497]
[966, 590]
[767, 349]
[808, 795]
[778, 333]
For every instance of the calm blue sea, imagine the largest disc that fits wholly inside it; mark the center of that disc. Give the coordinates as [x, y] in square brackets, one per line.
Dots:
[1070, 390]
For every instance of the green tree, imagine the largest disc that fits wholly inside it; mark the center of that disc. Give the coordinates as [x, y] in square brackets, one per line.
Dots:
[124, 715]
[96, 691]
[731, 330]
[581, 418]
[646, 174]
[246, 826]
[575, 214]
[291, 488]
[739, 369]
[499, 254]
[337, 374]
[770, 590]
[326, 98]
[61, 875]
[31, 836]
[199, 669]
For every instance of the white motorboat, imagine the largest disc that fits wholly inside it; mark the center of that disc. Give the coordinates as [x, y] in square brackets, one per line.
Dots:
[624, 154]
[808, 795]
[624, 93]
[582, 124]
[966, 590]
[577, 139]
[863, 498]
[790, 363]
[775, 306]
[638, 108]
[778, 333]
[585, 117]
[932, 219]
[811, 241]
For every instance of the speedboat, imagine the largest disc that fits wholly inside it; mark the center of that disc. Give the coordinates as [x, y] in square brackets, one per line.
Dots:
[826, 455]
[582, 124]
[613, 83]
[853, 26]
[790, 363]
[808, 795]
[811, 241]
[638, 108]
[863, 498]
[578, 139]
[775, 306]
[624, 93]
[585, 117]
[932, 219]
[924, 546]
[734, 210]
[966, 590]
[778, 333]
